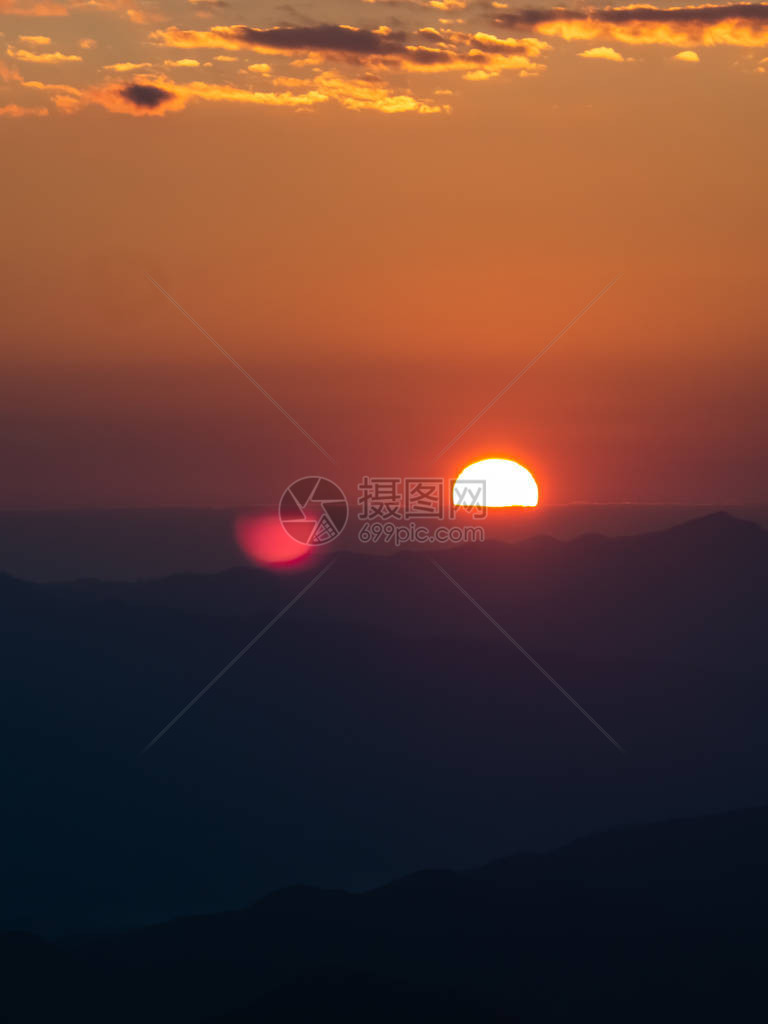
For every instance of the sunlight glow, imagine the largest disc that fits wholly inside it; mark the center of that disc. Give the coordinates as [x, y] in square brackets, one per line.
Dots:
[506, 483]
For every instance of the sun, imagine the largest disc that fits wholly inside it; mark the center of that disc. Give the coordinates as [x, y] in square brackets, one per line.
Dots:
[505, 483]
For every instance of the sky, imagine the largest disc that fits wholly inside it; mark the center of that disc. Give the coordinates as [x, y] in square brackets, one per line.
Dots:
[383, 211]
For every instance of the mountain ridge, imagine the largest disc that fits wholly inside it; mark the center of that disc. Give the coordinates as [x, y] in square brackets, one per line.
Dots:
[477, 939]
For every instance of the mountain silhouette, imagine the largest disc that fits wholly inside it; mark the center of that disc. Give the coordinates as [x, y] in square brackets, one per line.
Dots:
[651, 922]
[381, 726]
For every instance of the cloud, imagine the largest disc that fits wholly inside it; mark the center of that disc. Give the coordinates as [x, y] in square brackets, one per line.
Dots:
[687, 57]
[603, 53]
[480, 55]
[185, 62]
[87, 44]
[42, 58]
[340, 39]
[138, 99]
[732, 24]
[12, 110]
[147, 96]
[153, 97]
[157, 95]
[35, 40]
[437, 5]
[125, 65]
[362, 94]
[493, 44]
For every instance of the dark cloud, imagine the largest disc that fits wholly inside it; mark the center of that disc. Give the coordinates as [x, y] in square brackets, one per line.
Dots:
[361, 43]
[380, 49]
[702, 15]
[528, 16]
[148, 96]
[335, 38]
[431, 57]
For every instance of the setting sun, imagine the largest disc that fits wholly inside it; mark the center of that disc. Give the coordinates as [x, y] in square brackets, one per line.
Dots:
[506, 483]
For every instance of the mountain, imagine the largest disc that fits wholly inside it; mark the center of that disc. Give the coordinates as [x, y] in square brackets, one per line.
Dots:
[382, 725]
[661, 592]
[661, 922]
[118, 544]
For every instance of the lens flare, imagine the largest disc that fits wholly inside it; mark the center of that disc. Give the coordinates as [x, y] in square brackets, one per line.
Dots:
[264, 541]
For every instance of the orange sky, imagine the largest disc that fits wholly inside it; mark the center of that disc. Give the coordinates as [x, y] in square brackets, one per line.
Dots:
[382, 211]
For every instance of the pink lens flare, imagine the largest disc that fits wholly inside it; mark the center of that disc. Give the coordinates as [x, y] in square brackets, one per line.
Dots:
[264, 541]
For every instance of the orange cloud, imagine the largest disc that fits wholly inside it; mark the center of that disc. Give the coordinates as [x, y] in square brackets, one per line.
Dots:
[687, 57]
[157, 95]
[35, 40]
[162, 96]
[42, 58]
[361, 94]
[289, 40]
[480, 55]
[439, 5]
[135, 98]
[602, 53]
[732, 24]
[12, 110]
[125, 65]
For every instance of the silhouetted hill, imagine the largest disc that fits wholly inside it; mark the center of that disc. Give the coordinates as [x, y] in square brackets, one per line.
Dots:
[711, 849]
[127, 544]
[382, 725]
[699, 586]
[661, 922]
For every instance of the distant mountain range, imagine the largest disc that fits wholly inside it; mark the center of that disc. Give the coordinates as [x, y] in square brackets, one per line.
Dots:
[129, 544]
[382, 725]
[663, 922]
